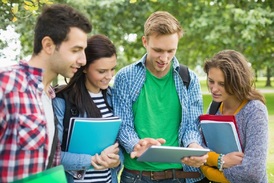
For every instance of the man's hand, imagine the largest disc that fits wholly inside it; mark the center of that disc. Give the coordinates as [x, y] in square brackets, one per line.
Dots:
[195, 161]
[144, 144]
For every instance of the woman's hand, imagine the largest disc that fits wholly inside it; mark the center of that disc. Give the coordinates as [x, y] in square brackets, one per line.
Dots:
[232, 159]
[108, 158]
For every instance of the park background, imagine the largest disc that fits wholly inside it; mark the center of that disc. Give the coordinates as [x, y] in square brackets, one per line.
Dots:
[209, 25]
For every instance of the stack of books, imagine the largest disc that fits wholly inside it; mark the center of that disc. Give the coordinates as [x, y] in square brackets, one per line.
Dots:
[220, 133]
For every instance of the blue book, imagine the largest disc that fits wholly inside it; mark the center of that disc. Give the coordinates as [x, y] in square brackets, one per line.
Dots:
[92, 135]
[55, 174]
[220, 133]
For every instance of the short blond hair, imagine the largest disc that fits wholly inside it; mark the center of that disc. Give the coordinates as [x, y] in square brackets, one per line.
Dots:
[162, 23]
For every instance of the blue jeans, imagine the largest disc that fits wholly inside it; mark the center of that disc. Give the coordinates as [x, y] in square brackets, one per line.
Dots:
[127, 177]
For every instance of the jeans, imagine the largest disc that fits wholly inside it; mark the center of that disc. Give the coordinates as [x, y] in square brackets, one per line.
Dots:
[127, 177]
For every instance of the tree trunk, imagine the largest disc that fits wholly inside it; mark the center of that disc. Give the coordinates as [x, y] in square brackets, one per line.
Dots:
[268, 76]
[256, 75]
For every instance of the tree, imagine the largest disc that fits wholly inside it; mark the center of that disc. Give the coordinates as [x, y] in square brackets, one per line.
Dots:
[21, 15]
[210, 26]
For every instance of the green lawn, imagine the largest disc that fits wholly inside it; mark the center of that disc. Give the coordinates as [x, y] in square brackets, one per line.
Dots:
[260, 84]
[269, 103]
[268, 96]
[270, 158]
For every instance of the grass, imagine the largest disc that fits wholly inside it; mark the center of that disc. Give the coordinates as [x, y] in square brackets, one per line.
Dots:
[270, 157]
[260, 84]
[268, 96]
[269, 103]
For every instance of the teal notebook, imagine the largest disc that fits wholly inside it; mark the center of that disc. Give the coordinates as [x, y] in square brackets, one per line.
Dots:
[52, 175]
[92, 135]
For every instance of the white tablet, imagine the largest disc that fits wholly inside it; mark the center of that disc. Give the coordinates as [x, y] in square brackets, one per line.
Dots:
[170, 154]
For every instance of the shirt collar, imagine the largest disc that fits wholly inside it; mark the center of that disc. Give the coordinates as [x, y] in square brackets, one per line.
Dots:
[174, 61]
[35, 75]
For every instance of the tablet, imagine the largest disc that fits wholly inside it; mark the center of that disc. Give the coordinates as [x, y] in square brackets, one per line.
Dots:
[170, 154]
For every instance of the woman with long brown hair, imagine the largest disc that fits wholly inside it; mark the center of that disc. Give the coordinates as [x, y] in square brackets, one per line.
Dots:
[231, 82]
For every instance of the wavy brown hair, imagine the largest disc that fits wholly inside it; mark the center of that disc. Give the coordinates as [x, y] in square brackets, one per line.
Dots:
[238, 76]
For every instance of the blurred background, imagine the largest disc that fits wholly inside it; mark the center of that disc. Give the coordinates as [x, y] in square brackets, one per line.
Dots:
[210, 26]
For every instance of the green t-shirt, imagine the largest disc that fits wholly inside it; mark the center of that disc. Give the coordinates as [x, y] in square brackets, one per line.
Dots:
[157, 114]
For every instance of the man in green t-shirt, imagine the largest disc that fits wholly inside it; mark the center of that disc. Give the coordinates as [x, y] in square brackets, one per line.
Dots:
[157, 108]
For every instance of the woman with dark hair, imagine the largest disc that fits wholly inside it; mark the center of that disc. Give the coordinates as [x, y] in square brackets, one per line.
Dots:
[231, 82]
[89, 92]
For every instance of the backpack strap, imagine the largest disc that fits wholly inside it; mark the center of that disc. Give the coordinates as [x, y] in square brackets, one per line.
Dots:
[54, 144]
[184, 73]
[70, 111]
[214, 106]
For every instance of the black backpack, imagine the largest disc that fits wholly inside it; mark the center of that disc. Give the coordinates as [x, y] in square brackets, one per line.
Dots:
[70, 111]
[184, 73]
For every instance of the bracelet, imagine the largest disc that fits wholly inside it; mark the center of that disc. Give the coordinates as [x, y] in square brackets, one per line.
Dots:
[221, 162]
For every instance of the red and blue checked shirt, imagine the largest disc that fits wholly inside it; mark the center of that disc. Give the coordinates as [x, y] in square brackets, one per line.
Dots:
[23, 136]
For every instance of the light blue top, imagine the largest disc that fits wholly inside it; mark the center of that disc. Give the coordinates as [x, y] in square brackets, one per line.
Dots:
[127, 87]
[72, 161]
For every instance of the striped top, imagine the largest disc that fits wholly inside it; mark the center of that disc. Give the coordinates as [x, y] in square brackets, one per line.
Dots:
[98, 99]
[98, 176]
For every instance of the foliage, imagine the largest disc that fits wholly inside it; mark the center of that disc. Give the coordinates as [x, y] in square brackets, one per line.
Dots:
[21, 15]
[18, 9]
[209, 25]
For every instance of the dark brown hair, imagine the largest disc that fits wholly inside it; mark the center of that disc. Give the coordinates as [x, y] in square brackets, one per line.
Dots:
[98, 46]
[55, 21]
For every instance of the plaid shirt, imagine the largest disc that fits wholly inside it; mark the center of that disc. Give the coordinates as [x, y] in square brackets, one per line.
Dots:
[23, 137]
